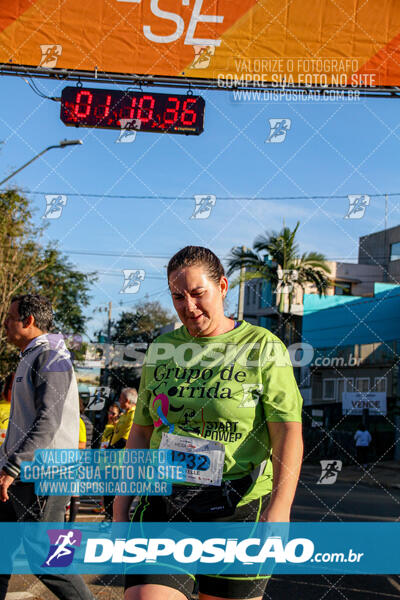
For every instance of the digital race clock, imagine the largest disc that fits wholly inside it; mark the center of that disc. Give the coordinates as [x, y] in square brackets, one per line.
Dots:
[143, 111]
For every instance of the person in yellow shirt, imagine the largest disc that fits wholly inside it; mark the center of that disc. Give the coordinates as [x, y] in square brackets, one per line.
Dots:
[82, 434]
[127, 402]
[4, 418]
[122, 428]
[5, 405]
[112, 418]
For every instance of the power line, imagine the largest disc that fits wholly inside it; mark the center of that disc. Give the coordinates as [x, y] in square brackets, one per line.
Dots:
[38, 92]
[120, 274]
[123, 254]
[118, 254]
[249, 197]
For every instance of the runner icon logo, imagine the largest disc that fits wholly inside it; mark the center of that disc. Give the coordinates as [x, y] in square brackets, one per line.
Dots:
[278, 130]
[97, 398]
[202, 56]
[54, 206]
[61, 553]
[251, 394]
[357, 206]
[329, 471]
[129, 128]
[50, 54]
[132, 280]
[203, 205]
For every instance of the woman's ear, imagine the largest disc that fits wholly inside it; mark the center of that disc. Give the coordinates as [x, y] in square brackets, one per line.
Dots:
[223, 285]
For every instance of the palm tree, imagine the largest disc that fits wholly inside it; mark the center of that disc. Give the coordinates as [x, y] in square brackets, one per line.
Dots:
[286, 269]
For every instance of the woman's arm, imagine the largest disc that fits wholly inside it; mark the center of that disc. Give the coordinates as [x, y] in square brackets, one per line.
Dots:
[287, 453]
[139, 437]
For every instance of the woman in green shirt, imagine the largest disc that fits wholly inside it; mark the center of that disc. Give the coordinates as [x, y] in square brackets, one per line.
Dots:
[227, 384]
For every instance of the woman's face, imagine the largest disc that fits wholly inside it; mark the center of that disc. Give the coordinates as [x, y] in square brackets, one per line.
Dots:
[198, 300]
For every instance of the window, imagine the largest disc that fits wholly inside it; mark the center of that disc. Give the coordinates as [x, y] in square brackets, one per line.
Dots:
[342, 289]
[395, 251]
[380, 384]
[377, 352]
[367, 352]
[362, 384]
[328, 389]
[344, 385]
[254, 299]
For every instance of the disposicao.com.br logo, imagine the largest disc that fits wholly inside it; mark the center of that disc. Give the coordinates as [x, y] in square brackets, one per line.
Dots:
[203, 548]
[211, 551]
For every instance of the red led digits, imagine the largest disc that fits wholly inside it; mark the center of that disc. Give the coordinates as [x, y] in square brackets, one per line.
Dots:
[145, 113]
[84, 100]
[174, 111]
[126, 107]
[163, 113]
[103, 108]
[132, 108]
[188, 116]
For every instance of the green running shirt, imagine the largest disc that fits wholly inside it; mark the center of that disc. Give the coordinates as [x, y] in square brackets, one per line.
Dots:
[223, 388]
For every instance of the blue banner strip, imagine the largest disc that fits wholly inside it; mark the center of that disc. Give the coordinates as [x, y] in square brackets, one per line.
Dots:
[214, 548]
[106, 472]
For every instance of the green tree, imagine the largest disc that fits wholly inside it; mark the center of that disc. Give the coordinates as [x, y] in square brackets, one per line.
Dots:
[66, 287]
[28, 267]
[286, 268]
[141, 324]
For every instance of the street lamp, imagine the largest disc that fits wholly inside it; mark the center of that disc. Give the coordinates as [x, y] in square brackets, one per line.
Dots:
[62, 144]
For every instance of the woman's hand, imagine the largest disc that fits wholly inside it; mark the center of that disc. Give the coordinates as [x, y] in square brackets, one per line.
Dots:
[275, 515]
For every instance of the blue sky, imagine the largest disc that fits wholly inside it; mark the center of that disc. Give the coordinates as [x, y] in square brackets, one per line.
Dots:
[332, 148]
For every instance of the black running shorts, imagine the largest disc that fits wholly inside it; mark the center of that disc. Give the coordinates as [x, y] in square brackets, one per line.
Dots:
[153, 509]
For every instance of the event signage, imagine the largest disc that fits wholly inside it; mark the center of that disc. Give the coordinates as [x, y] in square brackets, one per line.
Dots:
[354, 403]
[304, 42]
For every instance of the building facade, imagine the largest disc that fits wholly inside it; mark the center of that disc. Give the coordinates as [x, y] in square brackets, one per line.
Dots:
[352, 338]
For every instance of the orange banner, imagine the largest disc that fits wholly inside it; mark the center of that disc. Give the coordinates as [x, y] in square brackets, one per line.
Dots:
[309, 42]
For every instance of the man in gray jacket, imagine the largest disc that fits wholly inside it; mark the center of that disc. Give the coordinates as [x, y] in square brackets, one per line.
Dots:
[44, 414]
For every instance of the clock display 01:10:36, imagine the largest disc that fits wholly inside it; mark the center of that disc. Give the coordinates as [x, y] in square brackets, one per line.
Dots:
[162, 113]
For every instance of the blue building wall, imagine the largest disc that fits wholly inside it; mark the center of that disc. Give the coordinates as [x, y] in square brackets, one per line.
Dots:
[333, 321]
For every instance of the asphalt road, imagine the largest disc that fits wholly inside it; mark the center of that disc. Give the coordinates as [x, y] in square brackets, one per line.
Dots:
[344, 502]
[339, 502]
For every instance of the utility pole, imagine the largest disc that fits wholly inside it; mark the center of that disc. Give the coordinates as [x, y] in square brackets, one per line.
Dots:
[107, 347]
[241, 290]
[386, 251]
[386, 210]
[109, 322]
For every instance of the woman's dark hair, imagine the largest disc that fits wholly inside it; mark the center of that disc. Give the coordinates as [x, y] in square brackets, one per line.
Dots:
[197, 256]
[114, 405]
